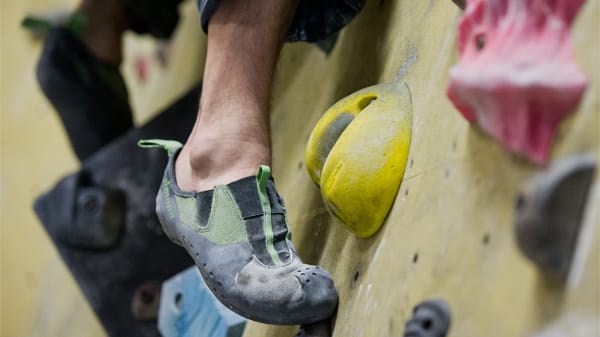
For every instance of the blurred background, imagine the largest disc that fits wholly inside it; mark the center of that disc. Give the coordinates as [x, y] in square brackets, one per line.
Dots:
[38, 295]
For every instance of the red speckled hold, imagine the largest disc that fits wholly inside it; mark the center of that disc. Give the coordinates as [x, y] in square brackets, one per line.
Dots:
[516, 76]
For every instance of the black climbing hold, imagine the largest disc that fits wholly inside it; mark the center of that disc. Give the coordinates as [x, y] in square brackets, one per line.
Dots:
[430, 319]
[110, 270]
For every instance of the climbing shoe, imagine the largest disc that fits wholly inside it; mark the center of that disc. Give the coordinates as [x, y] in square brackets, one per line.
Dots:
[89, 95]
[238, 236]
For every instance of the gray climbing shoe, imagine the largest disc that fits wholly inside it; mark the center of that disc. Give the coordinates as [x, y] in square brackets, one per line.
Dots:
[238, 236]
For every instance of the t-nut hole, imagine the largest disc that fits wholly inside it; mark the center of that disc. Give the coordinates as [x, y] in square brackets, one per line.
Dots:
[486, 239]
[520, 202]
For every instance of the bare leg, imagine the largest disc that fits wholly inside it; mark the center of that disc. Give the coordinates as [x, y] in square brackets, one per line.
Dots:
[231, 138]
[105, 25]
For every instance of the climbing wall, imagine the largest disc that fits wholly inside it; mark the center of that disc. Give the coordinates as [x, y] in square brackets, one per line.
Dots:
[451, 231]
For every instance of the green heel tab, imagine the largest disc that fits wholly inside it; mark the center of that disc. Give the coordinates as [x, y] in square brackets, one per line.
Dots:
[264, 172]
[168, 145]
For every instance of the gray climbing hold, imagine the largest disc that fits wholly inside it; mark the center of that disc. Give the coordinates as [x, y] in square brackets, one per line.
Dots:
[548, 213]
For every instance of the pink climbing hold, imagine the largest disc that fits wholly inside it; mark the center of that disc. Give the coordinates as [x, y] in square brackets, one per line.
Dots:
[516, 76]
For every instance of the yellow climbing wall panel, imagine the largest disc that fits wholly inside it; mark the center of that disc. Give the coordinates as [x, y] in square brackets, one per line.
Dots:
[450, 232]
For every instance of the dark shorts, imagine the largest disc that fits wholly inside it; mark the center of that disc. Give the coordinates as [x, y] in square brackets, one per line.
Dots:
[315, 20]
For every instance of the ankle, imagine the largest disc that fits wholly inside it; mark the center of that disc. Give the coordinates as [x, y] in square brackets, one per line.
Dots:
[206, 162]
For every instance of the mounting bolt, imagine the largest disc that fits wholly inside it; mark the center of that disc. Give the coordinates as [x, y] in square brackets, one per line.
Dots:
[145, 302]
[430, 319]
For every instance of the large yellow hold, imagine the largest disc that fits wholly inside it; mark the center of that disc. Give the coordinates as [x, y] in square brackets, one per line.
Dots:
[357, 154]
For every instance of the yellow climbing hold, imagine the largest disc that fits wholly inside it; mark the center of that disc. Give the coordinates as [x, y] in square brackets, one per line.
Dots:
[357, 154]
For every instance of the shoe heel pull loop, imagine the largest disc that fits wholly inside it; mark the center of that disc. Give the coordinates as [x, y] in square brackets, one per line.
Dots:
[168, 145]
[264, 172]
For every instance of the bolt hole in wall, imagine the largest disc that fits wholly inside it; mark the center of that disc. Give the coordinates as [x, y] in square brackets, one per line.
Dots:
[415, 258]
[486, 239]
[520, 202]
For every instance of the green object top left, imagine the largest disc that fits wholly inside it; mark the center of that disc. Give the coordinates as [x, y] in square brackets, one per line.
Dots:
[75, 22]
